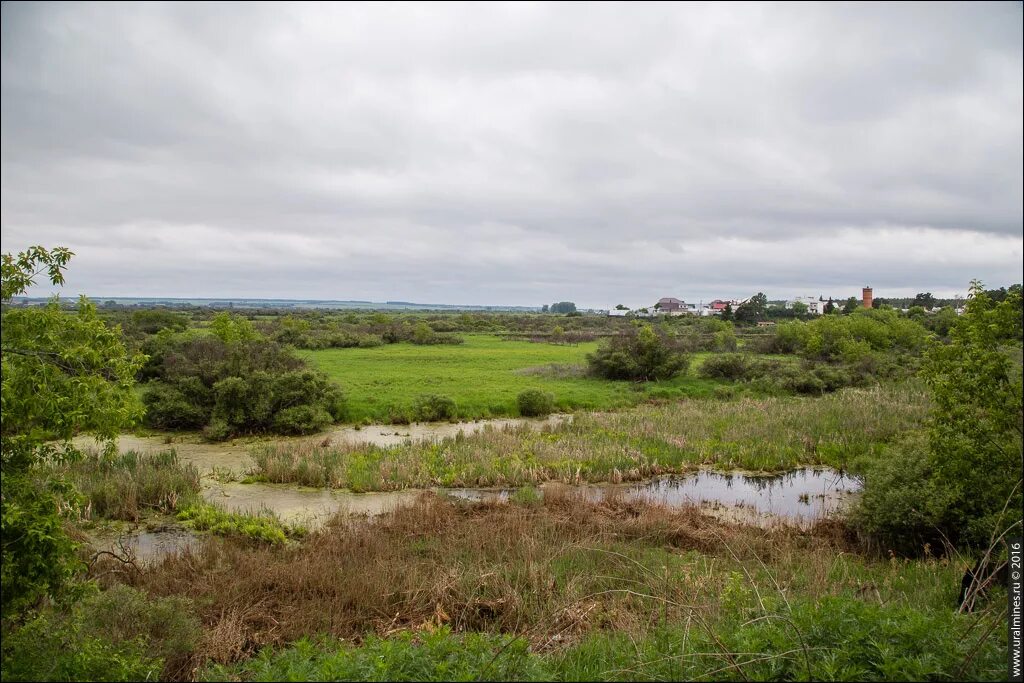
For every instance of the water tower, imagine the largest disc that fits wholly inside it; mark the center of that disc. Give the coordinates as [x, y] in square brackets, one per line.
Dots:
[867, 297]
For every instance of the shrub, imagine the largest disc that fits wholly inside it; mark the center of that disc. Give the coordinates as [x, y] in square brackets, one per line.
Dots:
[725, 366]
[117, 635]
[900, 507]
[301, 420]
[167, 407]
[534, 403]
[433, 408]
[38, 557]
[639, 354]
[238, 388]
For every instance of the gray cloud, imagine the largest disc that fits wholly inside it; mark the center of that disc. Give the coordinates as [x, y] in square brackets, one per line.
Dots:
[515, 153]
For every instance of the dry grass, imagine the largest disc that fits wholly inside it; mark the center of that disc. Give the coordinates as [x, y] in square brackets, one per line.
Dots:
[550, 572]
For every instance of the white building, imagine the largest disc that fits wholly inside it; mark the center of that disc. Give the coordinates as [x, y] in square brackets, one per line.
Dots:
[815, 304]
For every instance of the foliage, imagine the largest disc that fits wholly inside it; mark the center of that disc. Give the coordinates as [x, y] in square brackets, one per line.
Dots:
[563, 307]
[233, 329]
[535, 402]
[63, 373]
[116, 635]
[755, 309]
[975, 438]
[433, 655]
[238, 388]
[38, 556]
[433, 408]
[264, 528]
[836, 638]
[640, 354]
[901, 507]
[851, 337]
[424, 334]
[152, 320]
[964, 485]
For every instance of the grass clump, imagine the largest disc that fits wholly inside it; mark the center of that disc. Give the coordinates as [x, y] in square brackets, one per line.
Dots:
[263, 528]
[126, 485]
[535, 403]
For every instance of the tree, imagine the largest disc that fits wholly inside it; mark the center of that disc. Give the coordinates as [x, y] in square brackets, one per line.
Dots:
[563, 307]
[830, 307]
[544, 308]
[753, 310]
[63, 373]
[850, 306]
[641, 353]
[727, 312]
[799, 309]
[233, 329]
[620, 307]
[975, 438]
[924, 300]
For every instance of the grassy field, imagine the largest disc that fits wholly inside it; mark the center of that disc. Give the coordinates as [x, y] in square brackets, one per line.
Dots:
[484, 375]
[765, 434]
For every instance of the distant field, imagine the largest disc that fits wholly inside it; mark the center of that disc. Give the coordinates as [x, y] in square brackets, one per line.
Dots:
[483, 376]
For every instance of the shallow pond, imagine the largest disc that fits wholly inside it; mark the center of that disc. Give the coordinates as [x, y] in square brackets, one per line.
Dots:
[146, 546]
[800, 496]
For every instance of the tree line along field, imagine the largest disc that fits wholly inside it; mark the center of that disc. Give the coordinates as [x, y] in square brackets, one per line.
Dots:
[483, 376]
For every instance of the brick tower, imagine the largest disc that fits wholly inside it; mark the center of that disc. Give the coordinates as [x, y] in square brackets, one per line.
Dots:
[866, 293]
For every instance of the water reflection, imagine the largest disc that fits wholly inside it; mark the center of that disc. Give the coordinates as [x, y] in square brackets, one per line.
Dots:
[801, 495]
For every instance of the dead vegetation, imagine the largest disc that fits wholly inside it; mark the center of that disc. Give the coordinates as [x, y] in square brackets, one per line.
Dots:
[550, 572]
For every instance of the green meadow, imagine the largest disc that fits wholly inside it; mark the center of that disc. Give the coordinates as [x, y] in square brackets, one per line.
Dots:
[483, 376]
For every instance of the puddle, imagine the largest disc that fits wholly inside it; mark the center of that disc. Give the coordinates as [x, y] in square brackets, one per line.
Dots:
[309, 507]
[234, 456]
[148, 546]
[799, 496]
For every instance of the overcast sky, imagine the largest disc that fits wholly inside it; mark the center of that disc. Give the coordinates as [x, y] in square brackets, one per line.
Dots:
[515, 154]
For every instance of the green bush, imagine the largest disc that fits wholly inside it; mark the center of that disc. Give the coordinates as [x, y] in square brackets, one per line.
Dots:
[849, 337]
[834, 638]
[117, 635]
[301, 420]
[639, 354]
[732, 366]
[434, 408]
[900, 507]
[38, 556]
[167, 407]
[243, 387]
[535, 403]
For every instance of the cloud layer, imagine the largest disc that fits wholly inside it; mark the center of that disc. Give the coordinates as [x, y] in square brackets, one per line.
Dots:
[516, 154]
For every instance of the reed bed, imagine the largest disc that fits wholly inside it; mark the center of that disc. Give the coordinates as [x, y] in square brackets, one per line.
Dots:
[758, 434]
